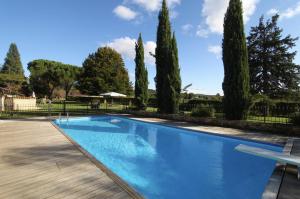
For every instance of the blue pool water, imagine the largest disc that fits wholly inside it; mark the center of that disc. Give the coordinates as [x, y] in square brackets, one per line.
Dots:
[172, 163]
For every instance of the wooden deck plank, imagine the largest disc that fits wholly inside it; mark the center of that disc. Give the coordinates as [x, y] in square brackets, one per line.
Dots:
[37, 161]
[44, 179]
[290, 187]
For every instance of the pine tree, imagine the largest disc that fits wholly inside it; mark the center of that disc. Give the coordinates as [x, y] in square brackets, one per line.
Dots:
[141, 76]
[235, 59]
[46, 76]
[174, 78]
[12, 63]
[162, 55]
[104, 71]
[272, 71]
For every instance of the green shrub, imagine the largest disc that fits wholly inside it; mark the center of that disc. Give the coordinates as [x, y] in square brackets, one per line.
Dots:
[203, 112]
[296, 119]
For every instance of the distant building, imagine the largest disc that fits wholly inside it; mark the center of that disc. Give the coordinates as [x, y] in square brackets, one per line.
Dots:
[16, 103]
[1, 102]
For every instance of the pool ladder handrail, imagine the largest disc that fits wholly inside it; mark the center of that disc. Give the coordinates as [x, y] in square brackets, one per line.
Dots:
[60, 117]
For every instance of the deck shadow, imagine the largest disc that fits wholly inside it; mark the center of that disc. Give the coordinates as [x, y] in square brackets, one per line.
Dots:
[42, 155]
[60, 162]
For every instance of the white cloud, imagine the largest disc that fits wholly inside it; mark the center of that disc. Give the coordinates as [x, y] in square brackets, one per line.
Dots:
[217, 50]
[154, 5]
[125, 13]
[126, 47]
[150, 47]
[272, 12]
[202, 32]
[249, 7]
[186, 29]
[214, 12]
[291, 12]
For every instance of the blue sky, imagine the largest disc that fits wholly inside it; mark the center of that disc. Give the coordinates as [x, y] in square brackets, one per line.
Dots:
[68, 30]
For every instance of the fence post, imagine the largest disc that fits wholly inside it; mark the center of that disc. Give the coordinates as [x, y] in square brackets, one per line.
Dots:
[64, 107]
[87, 108]
[265, 112]
[11, 111]
[49, 108]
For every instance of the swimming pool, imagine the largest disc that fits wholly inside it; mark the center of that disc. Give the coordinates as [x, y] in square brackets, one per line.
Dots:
[165, 162]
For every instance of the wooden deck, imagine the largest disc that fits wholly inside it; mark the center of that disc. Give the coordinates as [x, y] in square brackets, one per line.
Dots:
[37, 161]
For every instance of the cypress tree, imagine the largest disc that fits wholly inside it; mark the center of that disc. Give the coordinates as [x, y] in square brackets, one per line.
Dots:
[235, 59]
[12, 63]
[162, 54]
[174, 78]
[141, 76]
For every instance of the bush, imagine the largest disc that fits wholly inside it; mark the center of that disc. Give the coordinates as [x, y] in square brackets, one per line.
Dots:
[296, 119]
[192, 104]
[203, 112]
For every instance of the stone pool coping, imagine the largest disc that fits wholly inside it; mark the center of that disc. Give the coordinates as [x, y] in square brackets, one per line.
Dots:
[273, 187]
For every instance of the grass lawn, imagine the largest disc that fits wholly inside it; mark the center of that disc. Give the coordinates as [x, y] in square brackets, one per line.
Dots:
[269, 119]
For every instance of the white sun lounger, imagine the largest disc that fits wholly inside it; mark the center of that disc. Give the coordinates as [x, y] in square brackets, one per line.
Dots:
[279, 157]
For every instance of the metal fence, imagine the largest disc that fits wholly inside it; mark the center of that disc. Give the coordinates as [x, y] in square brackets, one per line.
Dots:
[267, 113]
[278, 113]
[61, 108]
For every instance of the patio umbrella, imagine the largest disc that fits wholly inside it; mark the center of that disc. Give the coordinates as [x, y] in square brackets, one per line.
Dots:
[113, 94]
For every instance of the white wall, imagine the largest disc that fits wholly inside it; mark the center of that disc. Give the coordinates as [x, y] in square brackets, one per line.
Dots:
[1, 103]
[24, 103]
[18, 103]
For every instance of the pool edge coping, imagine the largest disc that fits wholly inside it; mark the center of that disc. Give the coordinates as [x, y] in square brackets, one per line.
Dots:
[274, 184]
[115, 178]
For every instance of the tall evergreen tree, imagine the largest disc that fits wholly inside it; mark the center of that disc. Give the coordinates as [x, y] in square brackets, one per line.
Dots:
[141, 76]
[168, 82]
[272, 71]
[174, 78]
[162, 55]
[12, 63]
[235, 59]
[13, 83]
